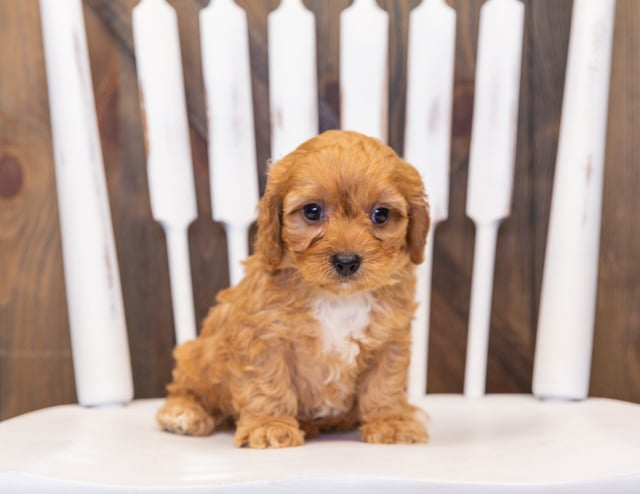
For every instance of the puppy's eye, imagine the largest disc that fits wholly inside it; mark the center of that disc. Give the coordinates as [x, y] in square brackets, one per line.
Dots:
[312, 212]
[379, 216]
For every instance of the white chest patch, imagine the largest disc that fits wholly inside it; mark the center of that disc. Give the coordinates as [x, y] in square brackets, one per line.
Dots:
[343, 321]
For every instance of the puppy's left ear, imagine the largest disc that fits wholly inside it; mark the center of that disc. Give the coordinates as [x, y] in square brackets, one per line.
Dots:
[419, 219]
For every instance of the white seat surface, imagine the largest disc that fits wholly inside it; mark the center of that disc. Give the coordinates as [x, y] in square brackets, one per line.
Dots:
[500, 443]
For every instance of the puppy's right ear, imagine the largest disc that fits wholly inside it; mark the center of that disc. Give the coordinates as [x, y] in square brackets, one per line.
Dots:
[269, 237]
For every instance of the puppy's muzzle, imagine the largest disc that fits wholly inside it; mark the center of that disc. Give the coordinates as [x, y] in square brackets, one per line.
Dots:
[346, 264]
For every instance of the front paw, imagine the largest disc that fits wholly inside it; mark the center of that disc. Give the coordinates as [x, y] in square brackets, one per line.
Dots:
[268, 432]
[408, 429]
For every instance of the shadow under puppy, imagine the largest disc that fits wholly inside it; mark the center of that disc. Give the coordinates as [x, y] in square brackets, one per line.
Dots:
[316, 336]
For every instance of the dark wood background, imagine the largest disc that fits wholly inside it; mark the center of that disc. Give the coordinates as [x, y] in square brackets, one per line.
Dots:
[35, 357]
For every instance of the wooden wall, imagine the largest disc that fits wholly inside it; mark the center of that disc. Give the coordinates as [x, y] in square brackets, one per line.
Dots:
[35, 358]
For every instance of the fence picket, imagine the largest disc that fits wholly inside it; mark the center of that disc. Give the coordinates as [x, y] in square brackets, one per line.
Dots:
[363, 68]
[92, 279]
[491, 165]
[427, 143]
[232, 148]
[292, 77]
[169, 163]
[562, 363]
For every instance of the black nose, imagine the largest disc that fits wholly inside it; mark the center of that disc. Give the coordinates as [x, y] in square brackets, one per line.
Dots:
[346, 264]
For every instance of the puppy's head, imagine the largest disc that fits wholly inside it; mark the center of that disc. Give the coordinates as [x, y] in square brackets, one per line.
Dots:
[345, 212]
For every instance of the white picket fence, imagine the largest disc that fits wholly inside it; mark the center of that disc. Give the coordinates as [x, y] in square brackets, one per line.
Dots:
[93, 287]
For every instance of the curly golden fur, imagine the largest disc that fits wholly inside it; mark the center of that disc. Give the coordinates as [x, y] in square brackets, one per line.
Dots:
[316, 336]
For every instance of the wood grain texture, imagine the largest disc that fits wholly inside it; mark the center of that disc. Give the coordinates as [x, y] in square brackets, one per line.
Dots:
[327, 46]
[35, 358]
[616, 356]
[548, 43]
[35, 355]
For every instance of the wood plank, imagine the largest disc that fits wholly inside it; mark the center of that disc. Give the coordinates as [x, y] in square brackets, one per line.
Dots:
[328, 47]
[616, 356]
[398, 49]
[257, 13]
[521, 244]
[35, 357]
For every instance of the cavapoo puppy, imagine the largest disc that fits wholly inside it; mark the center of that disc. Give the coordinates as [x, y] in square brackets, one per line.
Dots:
[316, 336]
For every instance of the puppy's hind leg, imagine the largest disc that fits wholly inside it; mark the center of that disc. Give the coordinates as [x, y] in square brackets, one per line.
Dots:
[185, 415]
[192, 404]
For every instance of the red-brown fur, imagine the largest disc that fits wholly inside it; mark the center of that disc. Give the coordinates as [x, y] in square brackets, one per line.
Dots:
[262, 360]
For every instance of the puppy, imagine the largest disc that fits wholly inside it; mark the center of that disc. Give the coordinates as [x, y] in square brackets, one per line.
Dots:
[316, 336]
